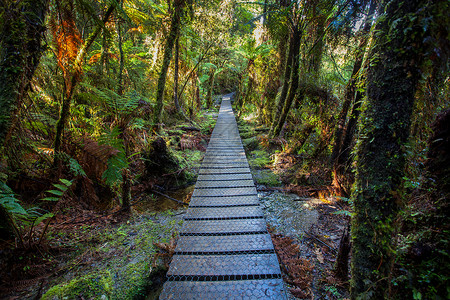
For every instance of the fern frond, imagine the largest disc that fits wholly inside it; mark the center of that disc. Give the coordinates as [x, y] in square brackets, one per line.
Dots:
[9, 201]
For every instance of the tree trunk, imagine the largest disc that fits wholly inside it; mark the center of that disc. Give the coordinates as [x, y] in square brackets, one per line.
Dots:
[247, 96]
[170, 42]
[126, 180]
[285, 88]
[121, 60]
[391, 85]
[197, 91]
[6, 226]
[341, 267]
[209, 95]
[175, 76]
[20, 51]
[294, 82]
[343, 137]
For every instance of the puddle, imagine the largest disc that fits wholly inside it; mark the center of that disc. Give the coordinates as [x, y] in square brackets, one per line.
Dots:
[159, 203]
[288, 213]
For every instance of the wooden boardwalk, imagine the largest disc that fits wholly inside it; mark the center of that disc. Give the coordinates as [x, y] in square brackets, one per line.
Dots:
[224, 250]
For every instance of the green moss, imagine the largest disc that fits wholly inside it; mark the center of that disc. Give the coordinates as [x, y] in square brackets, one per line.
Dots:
[246, 130]
[93, 286]
[267, 178]
[259, 159]
[134, 280]
[251, 143]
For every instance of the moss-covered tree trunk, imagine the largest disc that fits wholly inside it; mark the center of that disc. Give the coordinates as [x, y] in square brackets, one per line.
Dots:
[175, 25]
[294, 50]
[391, 84]
[21, 32]
[343, 135]
[126, 176]
[209, 95]
[248, 94]
[175, 76]
[284, 89]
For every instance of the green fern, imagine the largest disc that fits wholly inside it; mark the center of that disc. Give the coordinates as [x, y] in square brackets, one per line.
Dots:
[113, 174]
[60, 190]
[9, 201]
[75, 168]
[116, 104]
[116, 163]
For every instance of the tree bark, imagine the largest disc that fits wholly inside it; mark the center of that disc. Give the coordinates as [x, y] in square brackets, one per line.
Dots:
[209, 95]
[294, 82]
[391, 84]
[285, 88]
[175, 75]
[20, 50]
[341, 267]
[168, 49]
[343, 135]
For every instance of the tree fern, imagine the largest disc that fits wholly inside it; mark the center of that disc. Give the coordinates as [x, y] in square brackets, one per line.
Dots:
[119, 106]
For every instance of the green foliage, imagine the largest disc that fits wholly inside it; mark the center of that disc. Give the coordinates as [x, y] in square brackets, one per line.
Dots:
[10, 203]
[250, 52]
[259, 159]
[116, 104]
[60, 190]
[25, 219]
[116, 163]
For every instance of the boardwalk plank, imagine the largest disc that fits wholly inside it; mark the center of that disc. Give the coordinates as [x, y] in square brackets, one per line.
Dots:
[224, 250]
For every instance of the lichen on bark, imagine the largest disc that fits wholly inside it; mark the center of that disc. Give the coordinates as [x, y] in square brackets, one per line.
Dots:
[385, 122]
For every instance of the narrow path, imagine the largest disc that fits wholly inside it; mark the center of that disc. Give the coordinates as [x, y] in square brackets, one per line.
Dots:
[224, 250]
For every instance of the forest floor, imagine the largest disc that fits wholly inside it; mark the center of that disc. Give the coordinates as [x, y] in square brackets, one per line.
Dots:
[92, 255]
[305, 219]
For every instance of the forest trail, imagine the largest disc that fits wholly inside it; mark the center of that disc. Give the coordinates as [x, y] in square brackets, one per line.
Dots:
[224, 250]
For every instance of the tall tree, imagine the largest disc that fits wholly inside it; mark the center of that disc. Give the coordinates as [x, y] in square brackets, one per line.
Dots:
[291, 81]
[21, 32]
[175, 75]
[343, 135]
[175, 26]
[391, 84]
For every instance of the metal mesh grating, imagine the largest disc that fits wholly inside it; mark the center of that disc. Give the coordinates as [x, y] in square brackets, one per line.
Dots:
[224, 250]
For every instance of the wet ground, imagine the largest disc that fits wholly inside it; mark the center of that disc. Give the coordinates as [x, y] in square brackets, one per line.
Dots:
[315, 228]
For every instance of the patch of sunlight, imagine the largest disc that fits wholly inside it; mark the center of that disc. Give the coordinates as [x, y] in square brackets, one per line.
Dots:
[250, 117]
[46, 151]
